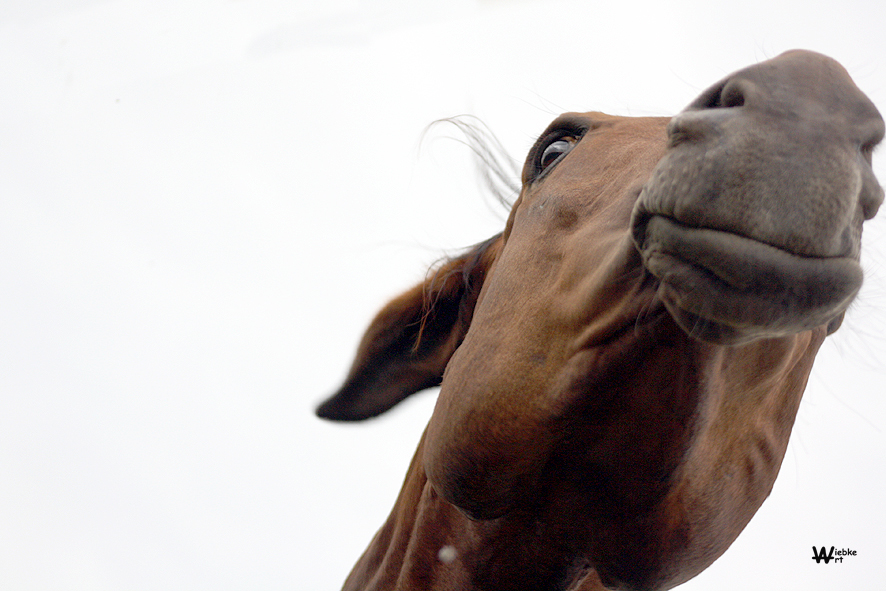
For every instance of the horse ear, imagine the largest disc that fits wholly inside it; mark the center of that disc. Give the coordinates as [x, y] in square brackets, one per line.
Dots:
[408, 344]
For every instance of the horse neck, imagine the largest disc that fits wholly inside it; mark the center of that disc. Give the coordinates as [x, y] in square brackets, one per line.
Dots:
[720, 474]
[404, 554]
[427, 544]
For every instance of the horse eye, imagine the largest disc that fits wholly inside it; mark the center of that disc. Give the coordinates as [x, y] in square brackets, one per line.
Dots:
[554, 151]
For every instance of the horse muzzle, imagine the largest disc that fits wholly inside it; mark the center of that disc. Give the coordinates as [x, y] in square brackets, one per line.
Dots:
[752, 221]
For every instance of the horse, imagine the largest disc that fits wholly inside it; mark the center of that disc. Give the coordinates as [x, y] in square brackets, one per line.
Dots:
[621, 367]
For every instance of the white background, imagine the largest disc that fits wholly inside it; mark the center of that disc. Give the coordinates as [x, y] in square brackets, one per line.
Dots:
[203, 203]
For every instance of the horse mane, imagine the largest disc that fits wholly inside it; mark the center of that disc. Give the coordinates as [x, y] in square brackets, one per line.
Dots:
[500, 176]
[499, 172]
[444, 279]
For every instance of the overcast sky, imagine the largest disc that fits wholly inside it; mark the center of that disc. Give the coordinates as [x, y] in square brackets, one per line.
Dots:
[203, 203]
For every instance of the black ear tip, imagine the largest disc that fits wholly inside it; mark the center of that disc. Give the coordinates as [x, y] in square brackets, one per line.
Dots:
[330, 410]
[323, 411]
[338, 408]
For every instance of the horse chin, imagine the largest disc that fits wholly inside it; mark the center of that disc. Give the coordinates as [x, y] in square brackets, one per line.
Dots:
[728, 289]
[711, 331]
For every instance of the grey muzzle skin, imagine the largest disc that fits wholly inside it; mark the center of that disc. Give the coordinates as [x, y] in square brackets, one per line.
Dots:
[752, 222]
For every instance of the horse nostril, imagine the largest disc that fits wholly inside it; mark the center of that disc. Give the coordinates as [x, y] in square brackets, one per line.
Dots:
[732, 95]
[872, 194]
[729, 94]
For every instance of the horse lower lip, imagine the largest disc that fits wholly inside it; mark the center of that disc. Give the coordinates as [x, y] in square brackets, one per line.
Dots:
[744, 284]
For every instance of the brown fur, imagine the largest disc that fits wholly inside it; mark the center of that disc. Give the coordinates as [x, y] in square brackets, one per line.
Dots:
[621, 368]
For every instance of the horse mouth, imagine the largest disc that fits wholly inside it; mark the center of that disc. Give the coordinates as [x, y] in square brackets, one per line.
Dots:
[726, 288]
